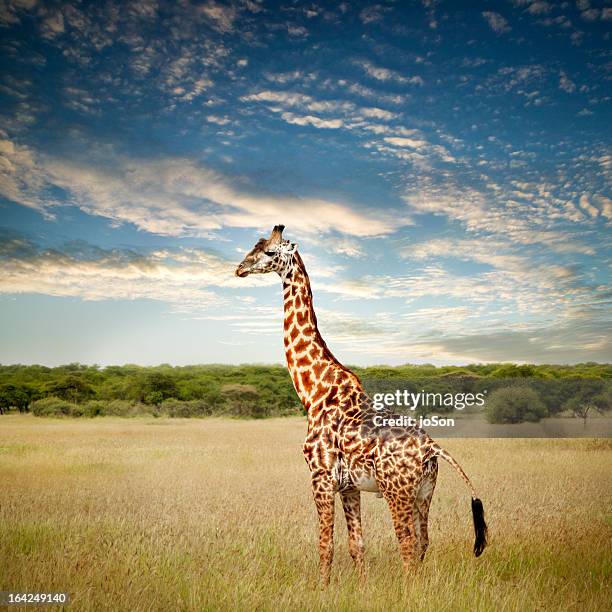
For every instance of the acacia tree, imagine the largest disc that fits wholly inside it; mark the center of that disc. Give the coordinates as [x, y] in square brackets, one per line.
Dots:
[72, 388]
[514, 405]
[590, 395]
[17, 396]
[243, 400]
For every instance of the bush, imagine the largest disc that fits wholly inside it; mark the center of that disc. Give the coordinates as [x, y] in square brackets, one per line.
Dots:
[94, 408]
[125, 408]
[243, 401]
[52, 406]
[514, 405]
[184, 409]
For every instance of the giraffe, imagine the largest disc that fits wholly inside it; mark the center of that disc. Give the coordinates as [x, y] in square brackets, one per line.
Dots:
[344, 449]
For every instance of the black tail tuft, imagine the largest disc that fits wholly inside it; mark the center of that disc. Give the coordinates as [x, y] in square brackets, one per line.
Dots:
[480, 527]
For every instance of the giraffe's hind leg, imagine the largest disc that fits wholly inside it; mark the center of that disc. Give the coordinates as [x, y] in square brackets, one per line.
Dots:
[422, 503]
[351, 502]
[396, 469]
[402, 513]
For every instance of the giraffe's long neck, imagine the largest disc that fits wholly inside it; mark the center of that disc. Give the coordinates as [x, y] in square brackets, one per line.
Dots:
[313, 368]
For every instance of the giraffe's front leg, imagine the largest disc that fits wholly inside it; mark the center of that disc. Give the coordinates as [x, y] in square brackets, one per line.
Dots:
[323, 491]
[351, 502]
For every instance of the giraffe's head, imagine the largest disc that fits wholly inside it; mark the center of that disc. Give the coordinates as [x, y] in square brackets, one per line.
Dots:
[269, 255]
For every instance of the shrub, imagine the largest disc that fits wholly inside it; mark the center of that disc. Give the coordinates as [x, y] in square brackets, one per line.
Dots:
[51, 406]
[243, 401]
[94, 408]
[184, 409]
[77, 410]
[125, 408]
[514, 405]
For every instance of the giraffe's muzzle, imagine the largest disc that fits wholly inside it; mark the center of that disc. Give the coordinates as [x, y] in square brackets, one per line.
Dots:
[241, 272]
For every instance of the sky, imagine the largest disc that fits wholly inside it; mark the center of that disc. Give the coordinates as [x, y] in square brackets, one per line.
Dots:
[444, 168]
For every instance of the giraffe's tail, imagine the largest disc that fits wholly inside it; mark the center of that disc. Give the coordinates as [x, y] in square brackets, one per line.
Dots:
[480, 526]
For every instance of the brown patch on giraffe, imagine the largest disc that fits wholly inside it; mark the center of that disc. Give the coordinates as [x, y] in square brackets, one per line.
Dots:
[331, 399]
[319, 393]
[318, 368]
[341, 378]
[294, 333]
[300, 347]
[308, 452]
[306, 381]
[314, 353]
[351, 437]
[353, 396]
[308, 331]
[329, 375]
[303, 362]
[302, 318]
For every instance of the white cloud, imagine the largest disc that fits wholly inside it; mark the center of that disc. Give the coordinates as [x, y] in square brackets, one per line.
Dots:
[385, 74]
[348, 247]
[605, 205]
[521, 80]
[174, 277]
[220, 17]
[330, 124]
[298, 100]
[416, 150]
[175, 196]
[378, 113]
[539, 7]
[218, 120]
[365, 92]
[372, 14]
[282, 97]
[497, 22]
[527, 214]
[20, 175]
[413, 143]
[283, 78]
[8, 14]
[565, 83]
[591, 14]
[587, 207]
[52, 24]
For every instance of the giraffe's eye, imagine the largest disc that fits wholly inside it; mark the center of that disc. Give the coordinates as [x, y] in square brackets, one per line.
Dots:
[270, 253]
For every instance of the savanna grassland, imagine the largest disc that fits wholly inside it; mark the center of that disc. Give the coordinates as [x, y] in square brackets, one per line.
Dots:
[216, 514]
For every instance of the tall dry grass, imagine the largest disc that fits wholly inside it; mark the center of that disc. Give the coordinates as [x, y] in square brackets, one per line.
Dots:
[216, 514]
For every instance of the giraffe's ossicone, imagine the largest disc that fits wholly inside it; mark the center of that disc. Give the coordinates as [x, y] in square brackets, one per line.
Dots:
[346, 454]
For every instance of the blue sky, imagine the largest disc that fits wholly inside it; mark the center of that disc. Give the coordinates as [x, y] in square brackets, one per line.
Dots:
[444, 167]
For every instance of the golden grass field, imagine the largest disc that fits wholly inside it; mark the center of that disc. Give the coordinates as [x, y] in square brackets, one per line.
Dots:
[216, 514]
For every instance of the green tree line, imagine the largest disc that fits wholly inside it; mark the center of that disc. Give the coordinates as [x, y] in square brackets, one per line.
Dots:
[259, 391]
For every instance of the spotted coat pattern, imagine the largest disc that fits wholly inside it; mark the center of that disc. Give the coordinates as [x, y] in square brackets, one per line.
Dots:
[344, 453]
